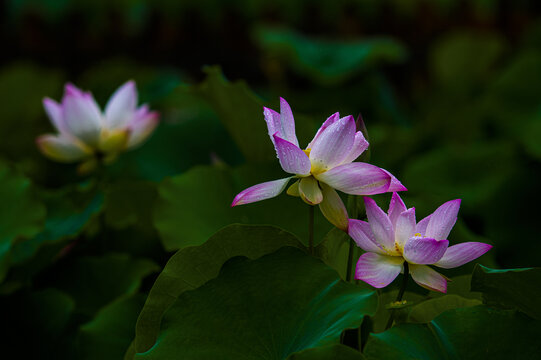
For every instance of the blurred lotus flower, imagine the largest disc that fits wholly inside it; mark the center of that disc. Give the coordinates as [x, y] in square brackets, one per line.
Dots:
[326, 164]
[395, 237]
[85, 133]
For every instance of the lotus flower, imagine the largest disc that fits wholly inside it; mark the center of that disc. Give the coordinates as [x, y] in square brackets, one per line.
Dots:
[87, 133]
[325, 165]
[394, 238]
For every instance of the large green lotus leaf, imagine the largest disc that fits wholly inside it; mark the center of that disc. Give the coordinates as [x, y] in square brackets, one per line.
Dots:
[328, 352]
[240, 111]
[21, 213]
[93, 282]
[475, 332]
[194, 205]
[327, 61]
[429, 309]
[191, 267]
[425, 304]
[517, 288]
[267, 308]
[109, 334]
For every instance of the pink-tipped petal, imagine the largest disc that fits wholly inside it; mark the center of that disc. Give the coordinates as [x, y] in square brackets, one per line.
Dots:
[461, 254]
[55, 113]
[428, 278]
[359, 146]
[292, 159]
[121, 106]
[418, 250]
[404, 227]
[62, 148]
[330, 120]
[394, 184]
[378, 270]
[421, 225]
[82, 115]
[361, 233]
[142, 126]
[309, 191]
[333, 144]
[272, 118]
[287, 123]
[356, 178]
[442, 220]
[260, 192]
[380, 224]
[396, 207]
[333, 208]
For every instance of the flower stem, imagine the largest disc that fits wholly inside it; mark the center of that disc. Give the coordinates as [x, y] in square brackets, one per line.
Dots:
[311, 230]
[400, 293]
[350, 260]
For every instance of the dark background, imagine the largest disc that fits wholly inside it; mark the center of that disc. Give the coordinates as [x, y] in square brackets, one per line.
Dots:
[450, 92]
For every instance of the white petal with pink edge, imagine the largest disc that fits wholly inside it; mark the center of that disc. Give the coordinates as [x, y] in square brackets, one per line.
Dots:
[55, 112]
[333, 144]
[418, 250]
[292, 159]
[361, 233]
[396, 207]
[260, 192]
[359, 146]
[378, 270]
[404, 227]
[330, 120]
[82, 115]
[380, 224]
[356, 178]
[442, 220]
[142, 125]
[428, 278]
[121, 106]
[461, 254]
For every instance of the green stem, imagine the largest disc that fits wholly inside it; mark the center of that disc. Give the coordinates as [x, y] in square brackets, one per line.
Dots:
[350, 259]
[400, 293]
[311, 230]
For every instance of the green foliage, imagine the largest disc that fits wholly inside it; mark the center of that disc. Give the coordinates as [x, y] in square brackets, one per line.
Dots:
[329, 352]
[108, 335]
[466, 333]
[93, 282]
[334, 251]
[267, 308]
[327, 61]
[21, 213]
[192, 267]
[241, 113]
[429, 309]
[515, 288]
[194, 205]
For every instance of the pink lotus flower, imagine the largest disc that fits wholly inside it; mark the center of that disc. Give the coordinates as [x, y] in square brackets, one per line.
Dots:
[85, 132]
[325, 165]
[393, 238]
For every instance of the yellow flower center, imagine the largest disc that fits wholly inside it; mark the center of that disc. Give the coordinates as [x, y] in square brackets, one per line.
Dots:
[316, 168]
